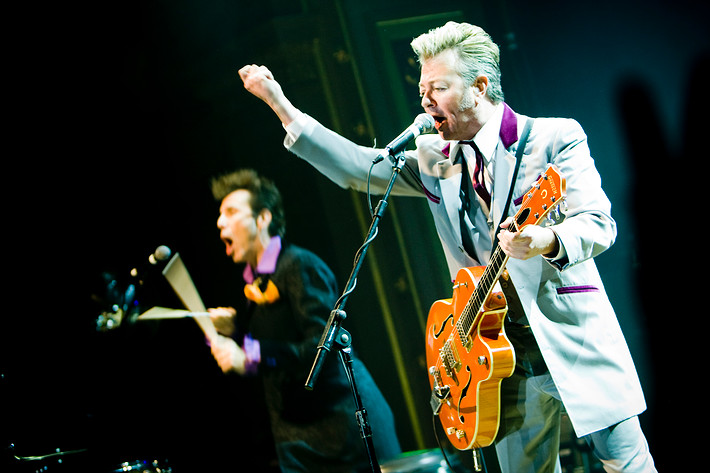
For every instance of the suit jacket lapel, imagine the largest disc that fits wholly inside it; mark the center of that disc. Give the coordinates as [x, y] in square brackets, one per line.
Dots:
[504, 168]
[450, 183]
[504, 163]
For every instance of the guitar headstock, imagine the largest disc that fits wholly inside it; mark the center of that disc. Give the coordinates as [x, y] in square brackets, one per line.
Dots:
[549, 191]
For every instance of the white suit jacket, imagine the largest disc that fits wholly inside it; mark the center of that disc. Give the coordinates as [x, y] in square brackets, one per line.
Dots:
[565, 301]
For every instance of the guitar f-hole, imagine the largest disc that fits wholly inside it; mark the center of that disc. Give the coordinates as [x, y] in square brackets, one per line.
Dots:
[464, 393]
[437, 333]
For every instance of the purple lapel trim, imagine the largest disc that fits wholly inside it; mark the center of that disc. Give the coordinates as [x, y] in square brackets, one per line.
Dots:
[508, 130]
[508, 127]
[431, 196]
[447, 150]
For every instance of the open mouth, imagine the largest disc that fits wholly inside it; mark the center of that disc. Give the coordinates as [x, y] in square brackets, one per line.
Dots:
[438, 121]
[228, 242]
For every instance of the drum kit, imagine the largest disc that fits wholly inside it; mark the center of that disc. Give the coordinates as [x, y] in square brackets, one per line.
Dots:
[78, 460]
[143, 466]
[422, 461]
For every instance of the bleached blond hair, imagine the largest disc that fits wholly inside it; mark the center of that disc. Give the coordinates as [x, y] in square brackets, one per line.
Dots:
[477, 53]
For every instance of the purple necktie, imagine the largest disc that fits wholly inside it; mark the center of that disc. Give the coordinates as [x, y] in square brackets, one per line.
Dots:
[478, 180]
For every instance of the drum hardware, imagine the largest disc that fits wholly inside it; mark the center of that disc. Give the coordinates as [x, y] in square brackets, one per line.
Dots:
[143, 466]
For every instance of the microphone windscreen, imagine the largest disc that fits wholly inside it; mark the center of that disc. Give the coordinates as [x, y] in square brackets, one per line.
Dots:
[161, 253]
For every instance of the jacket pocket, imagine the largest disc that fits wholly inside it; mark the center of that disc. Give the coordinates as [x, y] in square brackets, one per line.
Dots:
[576, 289]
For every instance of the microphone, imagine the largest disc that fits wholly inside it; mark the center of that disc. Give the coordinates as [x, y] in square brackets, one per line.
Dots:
[161, 253]
[131, 296]
[423, 123]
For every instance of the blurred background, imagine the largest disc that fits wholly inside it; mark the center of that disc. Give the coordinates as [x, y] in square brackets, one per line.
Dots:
[119, 113]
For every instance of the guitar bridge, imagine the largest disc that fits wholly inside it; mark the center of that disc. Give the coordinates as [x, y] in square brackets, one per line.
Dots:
[439, 392]
[450, 359]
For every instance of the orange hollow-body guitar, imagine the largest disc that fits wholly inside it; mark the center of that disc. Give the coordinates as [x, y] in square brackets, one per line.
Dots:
[467, 351]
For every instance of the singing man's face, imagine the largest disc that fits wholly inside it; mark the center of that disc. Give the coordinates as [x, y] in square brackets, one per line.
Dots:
[238, 227]
[447, 99]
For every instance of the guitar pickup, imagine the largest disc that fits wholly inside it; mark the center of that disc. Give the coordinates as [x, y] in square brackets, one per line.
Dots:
[439, 392]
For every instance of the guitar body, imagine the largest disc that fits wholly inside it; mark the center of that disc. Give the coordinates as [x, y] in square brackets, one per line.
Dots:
[466, 370]
[467, 351]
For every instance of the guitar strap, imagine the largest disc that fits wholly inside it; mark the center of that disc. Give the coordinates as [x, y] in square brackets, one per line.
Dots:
[518, 158]
[515, 312]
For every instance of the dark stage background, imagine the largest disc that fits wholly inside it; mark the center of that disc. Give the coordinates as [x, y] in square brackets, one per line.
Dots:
[121, 112]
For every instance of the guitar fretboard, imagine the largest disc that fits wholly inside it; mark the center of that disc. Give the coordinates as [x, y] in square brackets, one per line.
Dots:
[484, 287]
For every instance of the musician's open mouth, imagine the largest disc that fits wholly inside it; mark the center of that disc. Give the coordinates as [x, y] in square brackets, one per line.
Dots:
[228, 242]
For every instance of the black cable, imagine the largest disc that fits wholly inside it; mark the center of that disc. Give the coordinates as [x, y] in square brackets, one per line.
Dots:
[369, 176]
[441, 447]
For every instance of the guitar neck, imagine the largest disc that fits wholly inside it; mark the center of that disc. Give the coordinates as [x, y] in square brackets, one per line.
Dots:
[545, 195]
[483, 289]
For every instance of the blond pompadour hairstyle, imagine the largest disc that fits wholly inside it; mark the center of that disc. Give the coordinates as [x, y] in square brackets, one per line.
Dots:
[477, 53]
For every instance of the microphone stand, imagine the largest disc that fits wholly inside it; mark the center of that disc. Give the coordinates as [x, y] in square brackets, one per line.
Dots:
[334, 336]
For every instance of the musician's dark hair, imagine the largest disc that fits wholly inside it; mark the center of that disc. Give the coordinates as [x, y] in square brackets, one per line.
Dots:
[263, 195]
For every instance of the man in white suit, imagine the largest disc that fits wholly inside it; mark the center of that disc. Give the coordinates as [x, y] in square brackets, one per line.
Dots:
[570, 351]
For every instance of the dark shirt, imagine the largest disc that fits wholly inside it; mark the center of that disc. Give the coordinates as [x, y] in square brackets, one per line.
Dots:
[317, 427]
